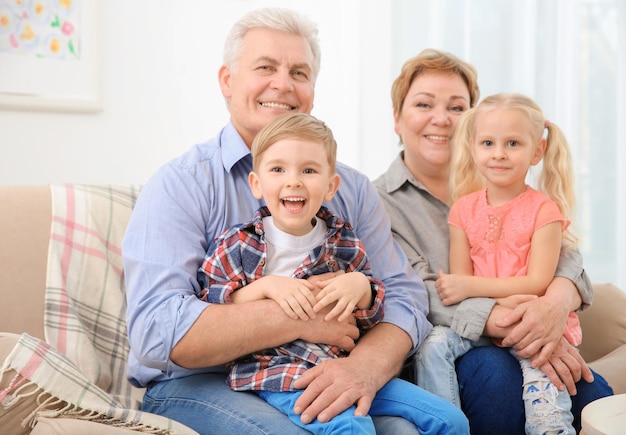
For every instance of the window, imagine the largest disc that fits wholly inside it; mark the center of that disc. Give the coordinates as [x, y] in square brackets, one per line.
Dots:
[565, 54]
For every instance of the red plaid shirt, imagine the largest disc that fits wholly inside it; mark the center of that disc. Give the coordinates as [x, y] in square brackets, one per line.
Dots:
[240, 258]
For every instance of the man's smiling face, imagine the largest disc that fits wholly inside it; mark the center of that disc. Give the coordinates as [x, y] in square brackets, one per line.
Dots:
[273, 76]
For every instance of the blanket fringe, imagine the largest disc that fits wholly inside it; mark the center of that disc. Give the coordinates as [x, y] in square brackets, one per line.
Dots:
[12, 394]
[53, 407]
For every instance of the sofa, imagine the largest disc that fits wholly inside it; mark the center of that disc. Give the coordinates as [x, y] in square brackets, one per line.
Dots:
[33, 221]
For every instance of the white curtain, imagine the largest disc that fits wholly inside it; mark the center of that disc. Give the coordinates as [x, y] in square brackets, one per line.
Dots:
[568, 55]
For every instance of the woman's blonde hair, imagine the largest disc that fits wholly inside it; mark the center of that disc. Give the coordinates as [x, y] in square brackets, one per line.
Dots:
[556, 178]
[294, 126]
[431, 60]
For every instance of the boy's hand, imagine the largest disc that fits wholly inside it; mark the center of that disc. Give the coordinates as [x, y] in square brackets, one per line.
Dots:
[348, 291]
[295, 296]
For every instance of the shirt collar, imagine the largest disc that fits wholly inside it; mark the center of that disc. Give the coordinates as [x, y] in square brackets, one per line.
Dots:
[398, 174]
[332, 220]
[233, 147]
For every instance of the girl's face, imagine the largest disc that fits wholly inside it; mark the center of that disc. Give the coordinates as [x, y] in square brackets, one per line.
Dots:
[430, 111]
[294, 178]
[504, 148]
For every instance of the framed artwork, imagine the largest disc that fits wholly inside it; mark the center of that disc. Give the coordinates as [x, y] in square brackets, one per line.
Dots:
[49, 55]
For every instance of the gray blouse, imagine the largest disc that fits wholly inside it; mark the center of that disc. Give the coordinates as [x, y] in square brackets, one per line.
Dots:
[419, 222]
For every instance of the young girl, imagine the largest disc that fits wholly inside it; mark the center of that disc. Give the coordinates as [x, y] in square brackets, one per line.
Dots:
[506, 237]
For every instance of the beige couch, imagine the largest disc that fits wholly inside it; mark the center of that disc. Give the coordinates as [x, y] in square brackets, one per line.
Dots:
[25, 228]
[25, 214]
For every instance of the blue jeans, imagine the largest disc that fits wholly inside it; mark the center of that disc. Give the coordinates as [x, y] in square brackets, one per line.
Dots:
[429, 413]
[547, 408]
[206, 404]
[490, 384]
[435, 362]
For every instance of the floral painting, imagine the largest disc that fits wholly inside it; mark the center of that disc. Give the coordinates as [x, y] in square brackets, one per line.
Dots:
[47, 29]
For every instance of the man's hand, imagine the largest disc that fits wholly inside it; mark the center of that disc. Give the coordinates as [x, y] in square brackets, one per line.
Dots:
[566, 366]
[342, 334]
[335, 385]
[540, 326]
[332, 387]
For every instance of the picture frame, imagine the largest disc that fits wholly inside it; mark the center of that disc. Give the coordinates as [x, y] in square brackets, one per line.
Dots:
[57, 68]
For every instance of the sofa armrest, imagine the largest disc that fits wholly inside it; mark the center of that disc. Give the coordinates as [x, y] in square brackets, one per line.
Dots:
[24, 236]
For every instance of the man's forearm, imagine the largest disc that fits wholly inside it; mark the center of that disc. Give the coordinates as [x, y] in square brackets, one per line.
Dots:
[387, 340]
[491, 328]
[566, 292]
[223, 333]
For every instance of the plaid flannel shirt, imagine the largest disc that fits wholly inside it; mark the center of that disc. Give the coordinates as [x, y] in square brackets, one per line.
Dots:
[240, 258]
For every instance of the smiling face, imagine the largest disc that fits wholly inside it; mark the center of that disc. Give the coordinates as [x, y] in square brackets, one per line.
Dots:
[273, 76]
[430, 111]
[504, 148]
[294, 177]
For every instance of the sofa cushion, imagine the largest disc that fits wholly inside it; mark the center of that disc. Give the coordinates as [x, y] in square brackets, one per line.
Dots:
[72, 426]
[611, 367]
[609, 302]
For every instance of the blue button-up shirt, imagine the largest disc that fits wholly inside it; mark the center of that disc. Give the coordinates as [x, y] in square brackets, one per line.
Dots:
[193, 199]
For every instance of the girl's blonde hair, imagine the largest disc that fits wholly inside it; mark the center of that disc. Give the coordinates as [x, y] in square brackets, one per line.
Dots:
[294, 126]
[556, 178]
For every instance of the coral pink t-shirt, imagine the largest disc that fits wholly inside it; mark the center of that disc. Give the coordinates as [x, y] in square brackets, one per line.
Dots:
[500, 237]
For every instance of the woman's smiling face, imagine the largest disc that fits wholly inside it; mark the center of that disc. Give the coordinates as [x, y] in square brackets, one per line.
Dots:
[430, 111]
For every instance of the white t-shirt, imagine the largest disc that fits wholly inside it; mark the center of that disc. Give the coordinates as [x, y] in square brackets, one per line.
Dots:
[286, 252]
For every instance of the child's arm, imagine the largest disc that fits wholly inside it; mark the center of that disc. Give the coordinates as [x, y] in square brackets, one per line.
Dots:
[544, 253]
[295, 296]
[226, 282]
[460, 258]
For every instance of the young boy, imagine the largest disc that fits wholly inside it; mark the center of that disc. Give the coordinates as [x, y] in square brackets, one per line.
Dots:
[290, 239]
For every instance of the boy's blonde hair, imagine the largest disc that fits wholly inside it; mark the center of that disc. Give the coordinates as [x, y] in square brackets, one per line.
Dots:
[556, 178]
[294, 126]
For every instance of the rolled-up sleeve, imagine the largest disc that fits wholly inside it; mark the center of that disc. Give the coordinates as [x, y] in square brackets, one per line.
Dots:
[406, 299]
[160, 267]
[571, 267]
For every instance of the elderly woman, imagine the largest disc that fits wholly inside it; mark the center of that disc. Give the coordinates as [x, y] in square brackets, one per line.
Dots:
[431, 92]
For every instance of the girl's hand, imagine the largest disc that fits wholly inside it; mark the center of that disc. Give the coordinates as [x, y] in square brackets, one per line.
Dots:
[514, 300]
[348, 291]
[451, 288]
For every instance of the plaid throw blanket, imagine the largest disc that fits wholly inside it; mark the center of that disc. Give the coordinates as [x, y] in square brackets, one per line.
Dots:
[83, 364]
[85, 310]
[72, 395]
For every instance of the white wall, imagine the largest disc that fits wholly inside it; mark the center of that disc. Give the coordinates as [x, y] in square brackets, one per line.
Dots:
[159, 91]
